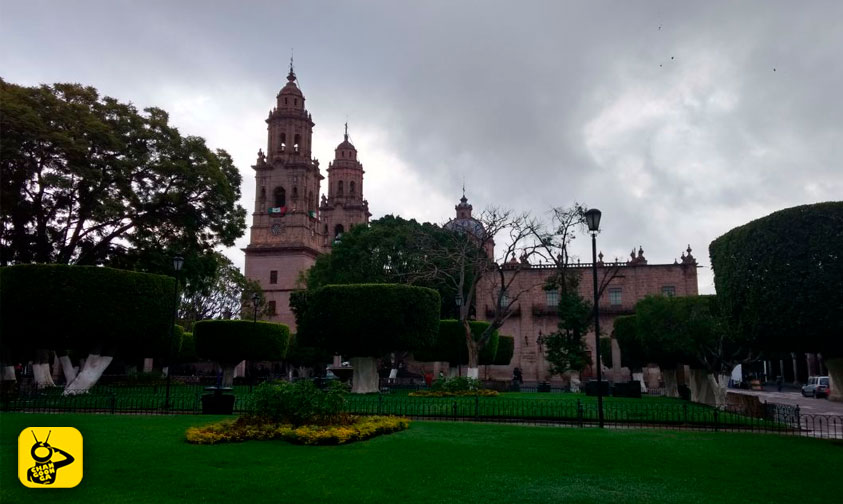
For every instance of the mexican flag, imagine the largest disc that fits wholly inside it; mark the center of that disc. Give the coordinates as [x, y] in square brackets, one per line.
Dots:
[278, 210]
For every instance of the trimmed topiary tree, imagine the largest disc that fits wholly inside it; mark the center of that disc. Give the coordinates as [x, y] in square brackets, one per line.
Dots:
[93, 311]
[780, 282]
[506, 348]
[228, 342]
[368, 321]
[450, 346]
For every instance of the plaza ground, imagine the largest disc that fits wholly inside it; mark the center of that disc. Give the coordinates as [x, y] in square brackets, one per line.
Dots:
[145, 459]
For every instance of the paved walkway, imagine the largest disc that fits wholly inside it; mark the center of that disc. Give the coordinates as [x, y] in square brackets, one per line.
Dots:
[807, 405]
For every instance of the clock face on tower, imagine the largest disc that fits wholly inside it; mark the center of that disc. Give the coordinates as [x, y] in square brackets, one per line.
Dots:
[276, 229]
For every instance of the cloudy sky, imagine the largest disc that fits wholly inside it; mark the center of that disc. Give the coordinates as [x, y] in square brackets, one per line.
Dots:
[678, 120]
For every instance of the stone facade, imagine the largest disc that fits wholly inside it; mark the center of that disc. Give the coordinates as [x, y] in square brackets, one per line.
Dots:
[535, 309]
[289, 228]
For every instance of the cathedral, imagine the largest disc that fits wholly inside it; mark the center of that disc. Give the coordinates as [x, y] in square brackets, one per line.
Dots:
[292, 225]
[289, 228]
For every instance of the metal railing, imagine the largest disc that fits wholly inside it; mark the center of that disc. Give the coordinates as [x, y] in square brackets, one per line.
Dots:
[565, 410]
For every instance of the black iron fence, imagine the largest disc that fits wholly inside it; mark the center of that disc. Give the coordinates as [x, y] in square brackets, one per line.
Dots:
[563, 410]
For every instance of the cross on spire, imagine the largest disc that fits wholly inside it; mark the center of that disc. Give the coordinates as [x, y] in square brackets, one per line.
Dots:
[292, 75]
[346, 131]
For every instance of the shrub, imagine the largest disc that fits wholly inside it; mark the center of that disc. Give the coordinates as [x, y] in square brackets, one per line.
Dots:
[367, 320]
[230, 341]
[88, 307]
[252, 428]
[506, 348]
[299, 403]
[460, 393]
[456, 384]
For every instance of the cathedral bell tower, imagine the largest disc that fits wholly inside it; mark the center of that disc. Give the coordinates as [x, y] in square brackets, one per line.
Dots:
[344, 206]
[285, 237]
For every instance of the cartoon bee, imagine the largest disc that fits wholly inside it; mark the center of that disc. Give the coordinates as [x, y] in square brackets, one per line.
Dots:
[44, 471]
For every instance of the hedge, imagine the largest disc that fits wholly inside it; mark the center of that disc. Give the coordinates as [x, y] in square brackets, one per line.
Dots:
[778, 279]
[231, 341]
[632, 355]
[506, 349]
[369, 320]
[85, 308]
[450, 345]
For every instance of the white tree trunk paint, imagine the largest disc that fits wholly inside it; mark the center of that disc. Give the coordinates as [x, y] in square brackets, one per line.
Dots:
[41, 374]
[68, 369]
[165, 370]
[147, 364]
[240, 369]
[671, 387]
[472, 372]
[393, 375]
[95, 366]
[365, 377]
[9, 373]
[640, 378]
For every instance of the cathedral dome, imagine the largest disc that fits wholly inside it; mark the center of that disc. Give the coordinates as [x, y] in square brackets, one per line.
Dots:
[290, 89]
[464, 222]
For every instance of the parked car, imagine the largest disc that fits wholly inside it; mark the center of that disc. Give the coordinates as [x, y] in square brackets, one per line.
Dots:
[817, 386]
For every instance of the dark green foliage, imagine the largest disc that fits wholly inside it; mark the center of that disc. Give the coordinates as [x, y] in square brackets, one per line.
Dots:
[686, 330]
[187, 352]
[306, 356]
[299, 403]
[632, 354]
[565, 349]
[780, 279]
[85, 309]
[388, 250]
[230, 341]
[450, 345]
[90, 180]
[369, 320]
[506, 348]
[606, 351]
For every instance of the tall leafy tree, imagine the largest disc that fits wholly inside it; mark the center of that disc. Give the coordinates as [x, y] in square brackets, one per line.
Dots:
[89, 180]
[779, 280]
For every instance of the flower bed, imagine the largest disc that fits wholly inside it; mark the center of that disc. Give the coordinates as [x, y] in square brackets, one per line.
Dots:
[252, 428]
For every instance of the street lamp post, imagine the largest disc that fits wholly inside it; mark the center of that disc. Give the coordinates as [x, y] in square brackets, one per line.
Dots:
[178, 261]
[592, 219]
[255, 298]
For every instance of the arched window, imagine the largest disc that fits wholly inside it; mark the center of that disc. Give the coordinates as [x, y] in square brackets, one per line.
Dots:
[325, 230]
[351, 188]
[295, 193]
[296, 102]
[339, 188]
[283, 141]
[338, 231]
[280, 197]
[296, 142]
[285, 101]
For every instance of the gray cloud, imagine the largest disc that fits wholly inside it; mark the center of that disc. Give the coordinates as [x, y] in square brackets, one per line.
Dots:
[678, 121]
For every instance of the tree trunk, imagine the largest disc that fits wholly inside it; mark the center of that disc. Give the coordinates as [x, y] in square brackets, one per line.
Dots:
[365, 377]
[56, 369]
[41, 369]
[67, 368]
[835, 374]
[9, 373]
[671, 388]
[472, 372]
[95, 366]
[718, 384]
[147, 364]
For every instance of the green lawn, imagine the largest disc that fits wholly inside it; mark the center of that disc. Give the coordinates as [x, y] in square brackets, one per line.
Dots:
[145, 459]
